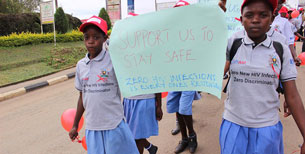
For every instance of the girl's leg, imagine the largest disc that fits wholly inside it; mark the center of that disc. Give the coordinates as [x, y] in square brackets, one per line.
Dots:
[184, 142]
[140, 144]
[143, 143]
[188, 119]
[182, 125]
[177, 129]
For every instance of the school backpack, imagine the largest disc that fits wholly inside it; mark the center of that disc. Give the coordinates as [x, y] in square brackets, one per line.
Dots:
[278, 48]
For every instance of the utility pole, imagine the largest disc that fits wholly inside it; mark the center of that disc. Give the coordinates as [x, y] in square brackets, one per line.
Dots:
[56, 6]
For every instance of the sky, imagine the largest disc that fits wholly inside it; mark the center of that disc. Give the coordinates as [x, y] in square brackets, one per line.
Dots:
[82, 9]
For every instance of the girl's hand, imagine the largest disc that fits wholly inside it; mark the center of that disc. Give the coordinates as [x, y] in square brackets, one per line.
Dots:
[222, 5]
[159, 113]
[287, 112]
[73, 133]
[297, 61]
[303, 149]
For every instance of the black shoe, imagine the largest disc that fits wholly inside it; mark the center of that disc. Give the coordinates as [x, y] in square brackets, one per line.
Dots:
[153, 149]
[176, 130]
[181, 146]
[193, 143]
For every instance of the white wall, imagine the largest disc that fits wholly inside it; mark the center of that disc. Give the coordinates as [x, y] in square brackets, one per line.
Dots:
[144, 6]
[124, 9]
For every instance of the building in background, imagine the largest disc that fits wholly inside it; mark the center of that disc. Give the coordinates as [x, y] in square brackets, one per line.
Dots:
[113, 8]
[119, 9]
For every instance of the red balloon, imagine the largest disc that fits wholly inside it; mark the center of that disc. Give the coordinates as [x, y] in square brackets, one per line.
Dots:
[295, 14]
[67, 119]
[164, 94]
[302, 57]
[84, 143]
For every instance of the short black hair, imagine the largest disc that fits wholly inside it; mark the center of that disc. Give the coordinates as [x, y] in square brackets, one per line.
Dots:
[252, 1]
[95, 27]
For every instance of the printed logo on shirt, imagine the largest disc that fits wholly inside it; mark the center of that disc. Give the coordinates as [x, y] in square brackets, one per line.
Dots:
[238, 62]
[85, 79]
[103, 76]
[273, 61]
[291, 61]
[276, 28]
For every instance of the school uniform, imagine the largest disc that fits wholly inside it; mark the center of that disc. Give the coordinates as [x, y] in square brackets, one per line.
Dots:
[105, 127]
[272, 33]
[283, 26]
[296, 23]
[181, 101]
[251, 123]
[140, 113]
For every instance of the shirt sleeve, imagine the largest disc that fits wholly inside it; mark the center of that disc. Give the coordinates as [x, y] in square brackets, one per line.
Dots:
[288, 67]
[78, 81]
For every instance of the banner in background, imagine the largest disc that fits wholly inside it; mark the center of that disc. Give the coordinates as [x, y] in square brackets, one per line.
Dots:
[46, 12]
[178, 49]
[232, 14]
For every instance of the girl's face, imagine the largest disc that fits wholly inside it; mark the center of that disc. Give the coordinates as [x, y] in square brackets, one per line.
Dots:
[94, 40]
[256, 19]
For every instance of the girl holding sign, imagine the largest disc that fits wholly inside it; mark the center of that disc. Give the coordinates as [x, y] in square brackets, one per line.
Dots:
[251, 123]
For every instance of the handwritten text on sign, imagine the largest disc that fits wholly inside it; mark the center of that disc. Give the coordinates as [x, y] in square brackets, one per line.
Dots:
[177, 49]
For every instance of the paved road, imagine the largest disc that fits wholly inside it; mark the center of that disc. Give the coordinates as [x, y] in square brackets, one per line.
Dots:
[30, 124]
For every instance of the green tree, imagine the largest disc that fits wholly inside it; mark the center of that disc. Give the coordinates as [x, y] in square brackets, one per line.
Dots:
[61, 21]
[18, 6]
[104, 15]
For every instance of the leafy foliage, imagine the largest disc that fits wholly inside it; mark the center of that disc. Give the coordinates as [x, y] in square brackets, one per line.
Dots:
[61, 21]
[104, 15]
[27, 38]
[18, 6]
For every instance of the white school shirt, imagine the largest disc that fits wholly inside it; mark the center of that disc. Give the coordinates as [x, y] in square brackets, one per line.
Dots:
[252, 99]
[296, 24]
[96, 80]
[283, 26]
[274, 35]
[300, 20]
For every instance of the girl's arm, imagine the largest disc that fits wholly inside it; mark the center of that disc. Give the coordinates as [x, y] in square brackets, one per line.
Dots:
[79, 112]
[296, 107]
[159, 112]
[227, 66]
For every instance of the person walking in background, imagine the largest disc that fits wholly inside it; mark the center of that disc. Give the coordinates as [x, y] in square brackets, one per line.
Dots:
[142, 114]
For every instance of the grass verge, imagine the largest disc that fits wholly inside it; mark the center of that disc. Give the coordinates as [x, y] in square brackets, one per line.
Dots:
[27, 62]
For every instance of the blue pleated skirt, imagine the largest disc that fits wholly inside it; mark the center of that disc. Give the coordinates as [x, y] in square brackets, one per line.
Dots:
[141, 117]
[236, 139]
[114, 141]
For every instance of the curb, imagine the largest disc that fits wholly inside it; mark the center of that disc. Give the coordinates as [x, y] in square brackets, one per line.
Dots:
[21, 91]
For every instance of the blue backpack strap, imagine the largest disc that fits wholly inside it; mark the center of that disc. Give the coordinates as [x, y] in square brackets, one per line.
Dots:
[236, 44]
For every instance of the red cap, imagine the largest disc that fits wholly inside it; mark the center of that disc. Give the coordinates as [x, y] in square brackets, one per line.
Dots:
[97, 21]
[283, 10]
[181, 3]
[132, 14]
[272, 2]
[301, 9]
